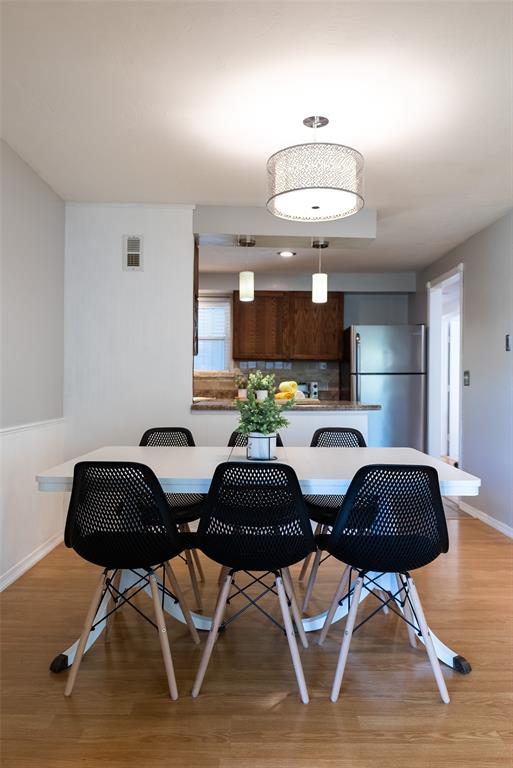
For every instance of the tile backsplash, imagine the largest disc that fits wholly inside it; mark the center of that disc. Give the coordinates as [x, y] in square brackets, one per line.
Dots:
[222, 385]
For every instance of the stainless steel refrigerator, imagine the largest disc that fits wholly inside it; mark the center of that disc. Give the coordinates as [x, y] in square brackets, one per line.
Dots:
[386, 365]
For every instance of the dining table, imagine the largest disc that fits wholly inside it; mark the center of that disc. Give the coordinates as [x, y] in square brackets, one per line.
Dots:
[320, 471]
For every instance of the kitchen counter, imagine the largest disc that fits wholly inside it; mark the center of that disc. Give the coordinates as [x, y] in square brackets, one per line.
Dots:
[322, 405]
[213, 421]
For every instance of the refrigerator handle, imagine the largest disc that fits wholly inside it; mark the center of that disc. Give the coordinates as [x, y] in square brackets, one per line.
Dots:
[357, 367]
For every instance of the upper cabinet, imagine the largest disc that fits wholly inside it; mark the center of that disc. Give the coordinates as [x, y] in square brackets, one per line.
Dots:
[259, 326]
[287, 325]
[315, 329]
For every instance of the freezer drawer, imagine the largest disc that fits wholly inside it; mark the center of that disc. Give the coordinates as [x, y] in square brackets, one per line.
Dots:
[401, 421]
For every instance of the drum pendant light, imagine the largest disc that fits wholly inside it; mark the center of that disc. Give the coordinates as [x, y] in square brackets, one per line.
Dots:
[315, 181]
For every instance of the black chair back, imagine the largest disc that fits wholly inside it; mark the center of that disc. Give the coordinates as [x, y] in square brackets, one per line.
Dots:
[118, 516]
[175, 437]
[338, 437]
[392, 519]
[238, 440]
[255, 518]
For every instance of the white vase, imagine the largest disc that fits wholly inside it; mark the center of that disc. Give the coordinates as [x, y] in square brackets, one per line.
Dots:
[261, 394]
[242, 394]
[261, 447]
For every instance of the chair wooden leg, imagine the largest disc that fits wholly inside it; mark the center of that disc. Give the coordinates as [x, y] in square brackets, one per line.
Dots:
[408, 615]
[289, 587]
[212, 635]
[109, 621]
[348, 633]
[164, 642]
[192, 574]
[341, 589]
[93, 607]
[311, 579]
[294, 652]
[199, 567]
[175, 587]
[426, 635]
[304, 567]
[307, 559]
[197, 561]
[223, 571]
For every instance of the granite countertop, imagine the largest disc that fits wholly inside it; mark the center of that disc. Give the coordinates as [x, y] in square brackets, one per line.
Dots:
[322, 405]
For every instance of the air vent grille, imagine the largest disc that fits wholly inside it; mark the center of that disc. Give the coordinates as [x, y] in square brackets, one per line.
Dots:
[132, 252]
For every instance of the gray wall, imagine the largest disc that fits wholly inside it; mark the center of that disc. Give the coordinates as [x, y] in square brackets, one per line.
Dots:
[32, 295]
[487, 416]
[375, 309]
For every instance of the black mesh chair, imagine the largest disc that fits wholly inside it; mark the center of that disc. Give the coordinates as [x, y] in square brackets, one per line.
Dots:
[238, 440]
[119, 519]
[187, 507]
[323, 509]
[255, 520]
[392, 521]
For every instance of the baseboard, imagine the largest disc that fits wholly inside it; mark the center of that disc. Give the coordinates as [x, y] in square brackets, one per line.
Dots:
[488, 519]
[29, 561]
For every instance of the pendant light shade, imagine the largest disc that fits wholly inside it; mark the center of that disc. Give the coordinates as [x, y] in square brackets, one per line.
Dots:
[319, 288]
[315, 181]
[246, 286]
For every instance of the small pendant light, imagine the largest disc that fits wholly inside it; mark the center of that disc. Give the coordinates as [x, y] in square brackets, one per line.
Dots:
[246, 286]
[246, 278]
[320, 278]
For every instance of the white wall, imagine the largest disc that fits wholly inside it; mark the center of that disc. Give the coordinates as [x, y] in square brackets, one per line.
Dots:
[31, 435]
[128, 335]
[487, 405]
[32, 294]
[351, 282]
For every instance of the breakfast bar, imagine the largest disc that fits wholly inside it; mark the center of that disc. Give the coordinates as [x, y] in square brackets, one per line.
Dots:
[213, 420]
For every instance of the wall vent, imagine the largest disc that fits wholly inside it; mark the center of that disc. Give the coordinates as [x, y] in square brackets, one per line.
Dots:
[132, 253]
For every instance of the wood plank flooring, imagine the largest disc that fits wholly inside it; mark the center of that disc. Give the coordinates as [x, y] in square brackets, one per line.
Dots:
[249, 714]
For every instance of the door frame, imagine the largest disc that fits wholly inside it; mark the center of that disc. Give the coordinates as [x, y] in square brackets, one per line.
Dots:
[434, 313]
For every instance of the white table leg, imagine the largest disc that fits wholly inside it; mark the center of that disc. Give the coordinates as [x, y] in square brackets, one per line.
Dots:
[386, 582]
[66, 658]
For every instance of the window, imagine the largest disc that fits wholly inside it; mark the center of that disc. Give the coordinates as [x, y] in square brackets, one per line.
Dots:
[214, 335]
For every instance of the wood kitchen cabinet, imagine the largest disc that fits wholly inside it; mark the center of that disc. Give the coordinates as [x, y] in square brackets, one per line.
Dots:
[315, 330]
[287, 325]
[260, 326]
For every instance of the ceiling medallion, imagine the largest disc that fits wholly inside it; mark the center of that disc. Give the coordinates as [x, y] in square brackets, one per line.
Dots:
[315, 181]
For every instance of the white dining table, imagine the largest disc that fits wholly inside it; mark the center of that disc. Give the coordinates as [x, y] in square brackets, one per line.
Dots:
[323, 471]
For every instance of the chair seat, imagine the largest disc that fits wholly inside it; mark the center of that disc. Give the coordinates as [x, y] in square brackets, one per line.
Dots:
[411, 551]
[186, 507]
[119, 549]
[323, 509]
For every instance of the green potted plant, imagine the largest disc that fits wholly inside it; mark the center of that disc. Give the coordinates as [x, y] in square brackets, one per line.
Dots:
[261, 384]
[242, 386]
[261, 419]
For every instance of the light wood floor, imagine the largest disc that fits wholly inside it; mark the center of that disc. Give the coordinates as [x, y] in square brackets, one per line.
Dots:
[249, 714]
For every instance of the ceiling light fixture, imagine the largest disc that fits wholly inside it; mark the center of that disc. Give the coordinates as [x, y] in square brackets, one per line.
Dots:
[246, 278]
[286, 254]
[320, 278]
[315, 181]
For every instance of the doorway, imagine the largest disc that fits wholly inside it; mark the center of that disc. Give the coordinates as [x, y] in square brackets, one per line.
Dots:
[445, 297]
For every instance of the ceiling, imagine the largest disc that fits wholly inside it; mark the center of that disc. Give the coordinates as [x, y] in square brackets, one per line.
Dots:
[184, 101]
